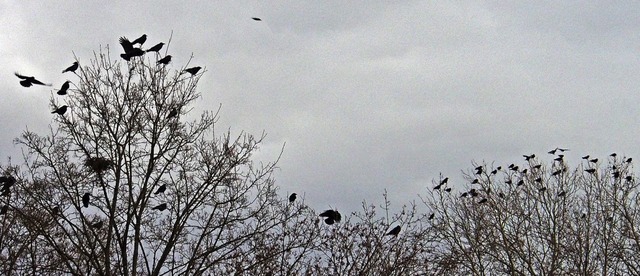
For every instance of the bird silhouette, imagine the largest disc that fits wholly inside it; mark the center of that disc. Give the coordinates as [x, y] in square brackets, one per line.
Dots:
[444, 181]
[394, 232]
[85, 200]
[479, 170]
[64, 88]
[165, 60]
[437, 187]
[475, 181]
[613, 154]
[448, 189]
[537, 166]
[524, 171]
[329, 221]
[97, 225]
[465, 194]
[172, 113]
[60, 110]
[156, 48]
[529, 157]
[192, 70]
[129, 50]
[140, 40]
[4, 209]
[483, 200]
[160, 207]
[556, 172]
[331, 215]
[586, 157]
[520, 183]
[256, 18]
[629, 160]
[292, 197]
[590, 170]
[616, 174]
[432, 216]
[539, 179]
[161, 189]
[594, 160]
[494, 172]
[29, 81]
[628, 178]
[71, 68]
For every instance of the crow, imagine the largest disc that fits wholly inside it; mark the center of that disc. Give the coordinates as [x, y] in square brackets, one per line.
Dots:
[524, 171]
[529, 157]
[172, 113]
[537, 166]
[60, 110]
[29, 81]
[97, 225]
[479, 170]
[129, 50]
[629, 160]
[483, 200]
[331, 215]
[494, 172]
[520, 183]
[444, 181]
[557, 172]
[63, 89]
[628, 178]
[85, 200]
[4, 209]
[594, 160]
[616, 174]
[156, 48]
[501, 195]
[165, 60]
[448, 190]
[160, 207]
[586, 157]
[292, 197]
[329, 221]
[613, 155]
[475, 181]
[71, 68]
[465, 194]
[394, 232]
[161, 189]
[432, 216]
[140, 40]
[539, 179]
[590, 170]
[256, 18]
[192, 70]
[437, 187]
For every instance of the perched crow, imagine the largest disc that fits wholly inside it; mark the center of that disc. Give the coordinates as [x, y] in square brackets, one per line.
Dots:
[172, 113]
[628, 178]
[465, 194]
[165, 60]
[29, 81]
[63, 89]
[4, 209]
[529, 157]
[129, 50]
[483, 200]
[537, 166]
[192, 70]
[590, 170]
[71, 68]
[329, 221]
[613, 155]
[556, 172]
[256, 18]
[60, 110]
[501, 195]
[292, 197]
[394, 232]
[140, 40]
[161, 189]
[594, 160]
[444, 181]
[524, 171]
[629, 160]
[508, 181]
[437, 187]
[520, 183]
[539, 179]
[586, 157]
[515, 168]
[479, 170]
[616, 174]
[156, 48]
[85, 200]
[432, 216]
[475, 181]
[97, 225]
[448, 190]
[553, 151]
[160, 207]
[494, 172]
[55, 211]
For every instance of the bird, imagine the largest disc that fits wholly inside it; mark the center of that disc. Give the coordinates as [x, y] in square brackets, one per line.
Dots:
[29, 81]
[475, 181]
[331, 216]
[4, 209]
[437, 187]
[537, 166]
[140, 40]
[590, 170]
[292, 197]
[98, 224]
[479, 170]
[494, 172]
[483, 200]
[160, 207]
[524, 171]
[156, 48]
[586, 157]
[448, 190]
[129, 50]
[556, 172]
[629, 160]
[613, 155]
[394, 232]
[161, 189]
[71, 68]
[192, 70]
[465, 194]
[165, 60]
[63, 89]
[432, 216]
[529, 157]
[594, 160]
[628, 178]
[539, 179]
[60, 110]
[256, 18]
[172, 113]
[520, 183]
[616, 174]
[85, 200]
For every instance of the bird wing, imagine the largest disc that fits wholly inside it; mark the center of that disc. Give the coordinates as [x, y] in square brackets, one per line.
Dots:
[21, 76]
[126, 44]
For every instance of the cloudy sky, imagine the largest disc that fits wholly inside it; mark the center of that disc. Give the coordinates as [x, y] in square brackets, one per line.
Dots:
[367, 95]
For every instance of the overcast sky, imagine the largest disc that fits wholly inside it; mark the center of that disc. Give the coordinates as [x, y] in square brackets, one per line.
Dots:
[367, 95]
